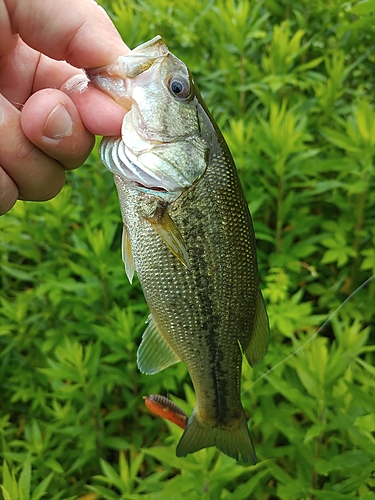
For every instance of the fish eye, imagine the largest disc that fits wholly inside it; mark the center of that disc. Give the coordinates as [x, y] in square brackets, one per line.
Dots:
[179, 87]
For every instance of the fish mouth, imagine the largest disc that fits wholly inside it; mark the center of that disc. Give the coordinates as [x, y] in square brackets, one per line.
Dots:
[114, 86]
[116, 79]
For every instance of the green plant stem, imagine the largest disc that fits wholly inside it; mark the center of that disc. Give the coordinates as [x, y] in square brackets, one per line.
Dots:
[94, 415]
[357, 231]
[279, 217]
[242, 82]
[318, 445]
[103, 282]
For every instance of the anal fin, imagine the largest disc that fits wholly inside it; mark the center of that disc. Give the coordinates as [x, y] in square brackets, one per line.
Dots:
[154, 354]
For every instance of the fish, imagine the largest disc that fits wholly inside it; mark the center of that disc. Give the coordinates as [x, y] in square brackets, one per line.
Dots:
[188, 234]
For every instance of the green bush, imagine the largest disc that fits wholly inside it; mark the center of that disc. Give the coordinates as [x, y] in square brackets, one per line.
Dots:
[291, 86]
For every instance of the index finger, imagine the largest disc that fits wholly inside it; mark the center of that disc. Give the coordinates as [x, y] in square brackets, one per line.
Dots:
[80, 33]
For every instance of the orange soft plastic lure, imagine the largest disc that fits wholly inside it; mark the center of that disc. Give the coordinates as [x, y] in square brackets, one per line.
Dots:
[165, 408]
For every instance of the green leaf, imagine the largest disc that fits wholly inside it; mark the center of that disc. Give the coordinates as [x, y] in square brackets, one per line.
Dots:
[10, 484]
[366, 423]
[311, 64]
[104, 492]
[109, 471]
[364, 7]
[24, 481]
[53, 464]
[341, 140]
[5, 493]
[42, 488]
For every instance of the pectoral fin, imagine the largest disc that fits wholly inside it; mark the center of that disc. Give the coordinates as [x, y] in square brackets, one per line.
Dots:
[154, 354]
[127, 255]
[169, 233]
[258, 345]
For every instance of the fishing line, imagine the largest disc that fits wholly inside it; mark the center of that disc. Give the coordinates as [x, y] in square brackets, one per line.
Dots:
[327, 321]
[169, 410]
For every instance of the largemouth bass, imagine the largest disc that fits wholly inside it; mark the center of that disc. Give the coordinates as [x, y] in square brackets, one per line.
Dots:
[189, 236]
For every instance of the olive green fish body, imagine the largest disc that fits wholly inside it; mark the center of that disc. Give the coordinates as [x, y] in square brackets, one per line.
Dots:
[193, 249]
[204, 311]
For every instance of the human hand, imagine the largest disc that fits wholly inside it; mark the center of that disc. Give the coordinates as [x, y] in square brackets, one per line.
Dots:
[45, 128]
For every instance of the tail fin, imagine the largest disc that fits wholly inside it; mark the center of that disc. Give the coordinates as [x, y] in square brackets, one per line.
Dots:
[233, 441]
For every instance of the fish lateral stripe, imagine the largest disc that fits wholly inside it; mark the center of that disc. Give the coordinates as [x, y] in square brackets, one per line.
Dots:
[165, 408]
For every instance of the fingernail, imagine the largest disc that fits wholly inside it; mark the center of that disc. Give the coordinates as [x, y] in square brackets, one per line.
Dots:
[59, 123]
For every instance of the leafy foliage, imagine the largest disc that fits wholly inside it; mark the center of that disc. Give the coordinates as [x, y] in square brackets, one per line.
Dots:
[290, 85]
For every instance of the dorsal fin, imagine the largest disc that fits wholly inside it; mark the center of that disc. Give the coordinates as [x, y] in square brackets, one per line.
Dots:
[260, 337]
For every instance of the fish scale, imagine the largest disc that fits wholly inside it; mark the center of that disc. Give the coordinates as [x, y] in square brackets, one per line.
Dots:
[190, 239]
[197, 309]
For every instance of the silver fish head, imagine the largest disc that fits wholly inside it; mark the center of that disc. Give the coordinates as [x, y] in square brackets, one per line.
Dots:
[161, 146]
